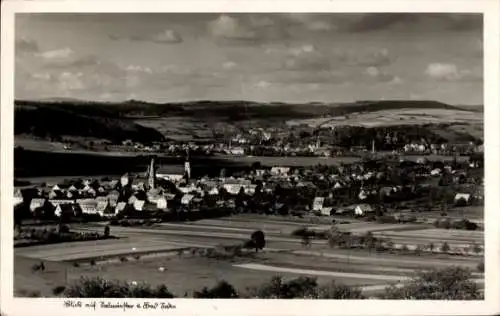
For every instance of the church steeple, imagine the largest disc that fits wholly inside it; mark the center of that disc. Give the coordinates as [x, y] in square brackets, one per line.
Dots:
[152, 174]
[187, 166]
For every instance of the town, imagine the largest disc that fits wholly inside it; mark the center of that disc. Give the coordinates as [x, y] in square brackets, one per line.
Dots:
[388, 184]
[378, 193]
[249, 155]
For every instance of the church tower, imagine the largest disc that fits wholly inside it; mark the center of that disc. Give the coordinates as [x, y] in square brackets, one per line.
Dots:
[187, 166]
[152, 174]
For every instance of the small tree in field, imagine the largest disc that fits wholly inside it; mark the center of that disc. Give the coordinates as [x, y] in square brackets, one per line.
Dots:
[445, 248]
[106, 231]
[431, 247]
[476, 249]
[480, 266]
[258, 240]
[418, 250]
[306, 240]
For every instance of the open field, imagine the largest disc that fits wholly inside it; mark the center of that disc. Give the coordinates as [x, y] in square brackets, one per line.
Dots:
[396, 117]
[180, 128]
[159, 245]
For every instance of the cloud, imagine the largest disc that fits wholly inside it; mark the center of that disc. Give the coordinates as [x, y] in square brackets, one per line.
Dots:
[378, 21]
[71, 81]
[136, 68]
[369, 57]
[26, 46]
[373, 22]
[310, 77]
[263, 84]
[312, 22]
[443, 71]
[57, 54]
[229, 65]
[305, 57]
[248, 28]
[231, 28]
[167, 36]
[381, 76]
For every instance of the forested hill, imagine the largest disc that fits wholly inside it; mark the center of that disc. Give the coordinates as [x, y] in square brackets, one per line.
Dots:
[225, 110]
[55, 121]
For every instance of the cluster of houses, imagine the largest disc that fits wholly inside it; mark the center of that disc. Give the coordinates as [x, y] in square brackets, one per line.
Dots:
[161, 191]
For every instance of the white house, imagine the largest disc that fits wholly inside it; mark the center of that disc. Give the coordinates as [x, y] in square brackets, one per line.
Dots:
[362, 195]
[61, 201]
[326, 211]
[362, 209]
[120, 207]
[132, 199]
[250, 189]
[88, 206]
[102, 204]
[436, 172]
[232, 188]
[66, 209]
[161, 203]
[464, 196]
[260, 172]
[318, 203]
[280, 170]
[36, 203]
[170, 177]
[139, 205]
[237, 151]
[18, 197]
[186, 199]
[125, 180]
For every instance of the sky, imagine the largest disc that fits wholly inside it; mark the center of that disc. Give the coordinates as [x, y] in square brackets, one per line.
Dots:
[299, 57]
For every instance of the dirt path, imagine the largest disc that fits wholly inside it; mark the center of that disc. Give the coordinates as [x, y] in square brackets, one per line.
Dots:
[374, 260]
[261, 267]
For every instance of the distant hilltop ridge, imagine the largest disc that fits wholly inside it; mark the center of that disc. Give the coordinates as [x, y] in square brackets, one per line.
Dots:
[121, 121]
[380, 104]
[229, 111]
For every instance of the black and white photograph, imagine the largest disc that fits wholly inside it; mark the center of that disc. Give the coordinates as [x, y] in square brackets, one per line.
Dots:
[249, 155]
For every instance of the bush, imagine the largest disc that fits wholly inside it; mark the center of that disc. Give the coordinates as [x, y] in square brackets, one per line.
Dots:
[480, 266]
[123, 259]
[339, 292]
[76, 264]
[98, 287]
[464, 224]
[58, 290]
[277, 288]
[305, 288]
[92, 262]
[222, 290]
[34, 294]
[63, 229]
[453, 283]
